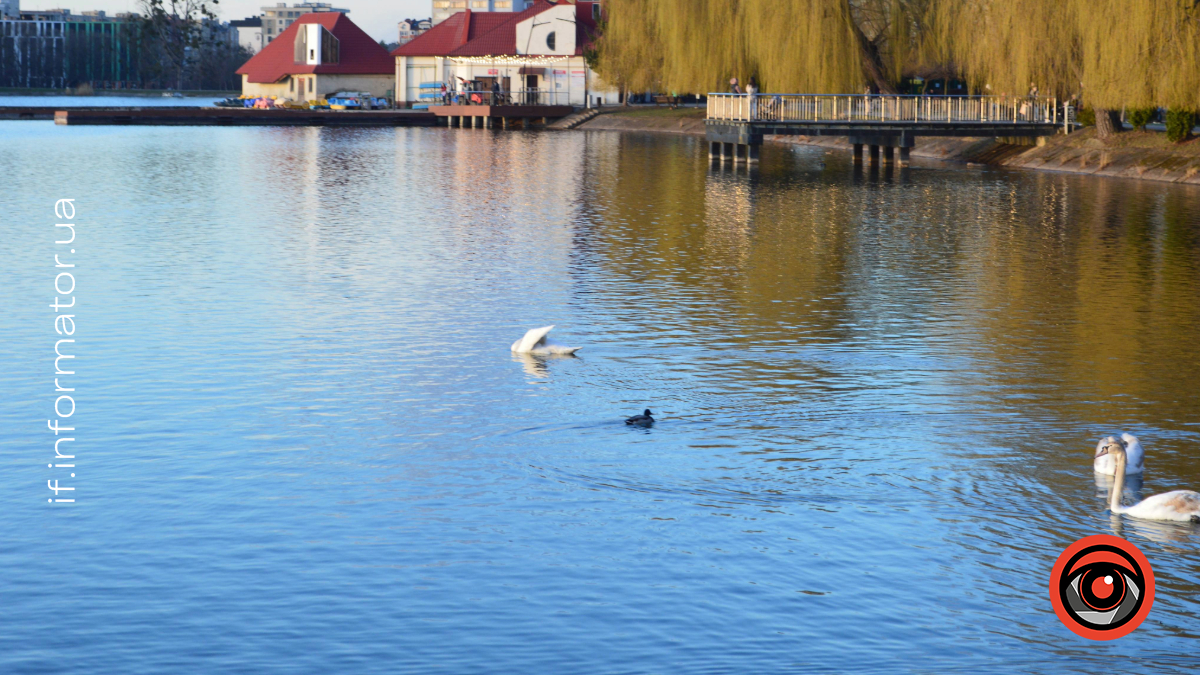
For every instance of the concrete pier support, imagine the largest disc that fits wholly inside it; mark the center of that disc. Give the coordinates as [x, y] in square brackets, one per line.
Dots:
[714, 150]
[904, 153]
[858, 153]
[889, 154]
[752, 154]
[873, 150]
[503, 122]
[487, 123]
[727, 153]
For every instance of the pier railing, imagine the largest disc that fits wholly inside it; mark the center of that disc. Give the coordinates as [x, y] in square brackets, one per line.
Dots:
[871, 108]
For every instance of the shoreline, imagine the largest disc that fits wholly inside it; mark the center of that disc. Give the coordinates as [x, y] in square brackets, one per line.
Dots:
[1140, 155]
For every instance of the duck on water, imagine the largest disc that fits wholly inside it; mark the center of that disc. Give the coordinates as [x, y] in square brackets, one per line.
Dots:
[643, 420]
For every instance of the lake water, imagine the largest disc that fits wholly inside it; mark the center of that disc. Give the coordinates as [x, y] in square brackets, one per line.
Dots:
[305, 447]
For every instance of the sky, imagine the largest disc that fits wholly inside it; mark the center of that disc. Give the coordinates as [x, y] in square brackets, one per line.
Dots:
[377, 17]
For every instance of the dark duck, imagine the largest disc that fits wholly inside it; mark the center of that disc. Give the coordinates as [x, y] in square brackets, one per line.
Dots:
[643, 420]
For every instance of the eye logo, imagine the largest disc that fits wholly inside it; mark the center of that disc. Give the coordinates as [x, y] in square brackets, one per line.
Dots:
[1102, 587]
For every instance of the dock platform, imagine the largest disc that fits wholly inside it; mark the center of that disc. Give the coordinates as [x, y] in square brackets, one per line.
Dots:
[503, 115]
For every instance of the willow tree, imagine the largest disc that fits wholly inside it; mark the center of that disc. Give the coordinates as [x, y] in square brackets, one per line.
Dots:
[1139, 53]
[789, 45]
[1110, 53]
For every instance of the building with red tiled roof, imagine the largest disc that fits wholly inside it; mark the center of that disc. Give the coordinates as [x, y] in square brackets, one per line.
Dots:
[536, 56]
[319, 54]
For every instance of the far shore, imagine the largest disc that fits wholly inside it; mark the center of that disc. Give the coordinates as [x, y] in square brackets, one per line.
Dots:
[1142, 155]
[20, 91]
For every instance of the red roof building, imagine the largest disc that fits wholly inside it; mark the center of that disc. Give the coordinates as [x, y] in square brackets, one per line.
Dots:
[319, 54]
[536, 55]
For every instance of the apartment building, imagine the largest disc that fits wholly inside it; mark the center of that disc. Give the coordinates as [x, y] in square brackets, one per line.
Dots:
[444, 9]
[276, 19]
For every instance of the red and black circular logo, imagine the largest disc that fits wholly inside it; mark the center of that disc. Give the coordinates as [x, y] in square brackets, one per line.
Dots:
[1102, 587]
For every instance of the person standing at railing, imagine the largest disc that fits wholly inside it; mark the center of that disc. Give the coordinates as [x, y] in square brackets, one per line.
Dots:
[495, 92]
[752, 91]
[733, 86]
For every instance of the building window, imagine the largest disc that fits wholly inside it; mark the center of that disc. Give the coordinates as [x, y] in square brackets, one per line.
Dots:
[310, 84]
[503, 4]
[441, 4]
[458, 4]
[550, 41]
[292, 84]
[479, 4]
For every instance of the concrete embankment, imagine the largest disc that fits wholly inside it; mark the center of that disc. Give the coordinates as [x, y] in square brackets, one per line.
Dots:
[661, 120]
[1143, 155]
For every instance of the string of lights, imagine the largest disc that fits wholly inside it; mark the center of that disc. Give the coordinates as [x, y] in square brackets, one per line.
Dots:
[510, 60]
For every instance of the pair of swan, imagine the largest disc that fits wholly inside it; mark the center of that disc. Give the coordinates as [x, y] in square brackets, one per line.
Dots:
[537, 343]
[1121, 456]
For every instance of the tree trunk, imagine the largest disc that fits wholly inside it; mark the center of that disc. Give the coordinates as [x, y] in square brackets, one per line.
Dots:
[874, 70]
[1108, 123]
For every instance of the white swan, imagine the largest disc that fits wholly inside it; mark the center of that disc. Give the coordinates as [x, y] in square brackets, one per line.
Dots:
[1105, 463]
[1177, 505]
[536, 342]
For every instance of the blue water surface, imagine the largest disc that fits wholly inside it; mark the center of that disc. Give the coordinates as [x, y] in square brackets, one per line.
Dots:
[303, 445]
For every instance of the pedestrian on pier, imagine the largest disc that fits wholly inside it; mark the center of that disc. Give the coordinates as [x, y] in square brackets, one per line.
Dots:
[733, 86]
[751, 90]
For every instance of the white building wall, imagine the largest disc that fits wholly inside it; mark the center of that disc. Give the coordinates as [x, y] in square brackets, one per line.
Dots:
[556, 25]
[566, 81]
[324, 85]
